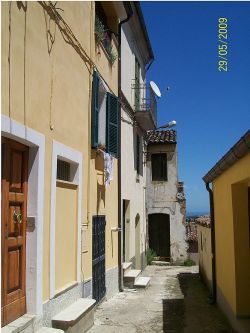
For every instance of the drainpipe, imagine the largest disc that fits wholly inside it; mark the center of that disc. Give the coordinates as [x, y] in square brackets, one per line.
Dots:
[129, 12]
[211, 199]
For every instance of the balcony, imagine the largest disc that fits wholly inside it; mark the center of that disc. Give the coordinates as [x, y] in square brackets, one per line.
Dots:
[145, 105]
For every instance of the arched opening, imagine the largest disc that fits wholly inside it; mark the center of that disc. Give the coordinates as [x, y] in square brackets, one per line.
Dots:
[159, 235]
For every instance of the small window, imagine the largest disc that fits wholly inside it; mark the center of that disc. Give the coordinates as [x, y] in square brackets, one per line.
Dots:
[63, 170]
[159, 167]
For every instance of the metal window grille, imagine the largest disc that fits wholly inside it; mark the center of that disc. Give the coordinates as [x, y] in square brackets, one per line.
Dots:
[63, 170]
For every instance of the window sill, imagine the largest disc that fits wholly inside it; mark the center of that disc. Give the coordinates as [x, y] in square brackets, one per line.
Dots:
[159, 181]
[65, 183]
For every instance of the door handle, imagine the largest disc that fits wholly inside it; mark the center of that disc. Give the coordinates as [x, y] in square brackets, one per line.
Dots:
[17, 218]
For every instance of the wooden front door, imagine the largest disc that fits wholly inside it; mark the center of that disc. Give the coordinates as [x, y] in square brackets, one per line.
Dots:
[14, 215]
[159, 235]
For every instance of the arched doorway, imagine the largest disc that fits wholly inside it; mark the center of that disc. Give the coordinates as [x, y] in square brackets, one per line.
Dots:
[159, 234]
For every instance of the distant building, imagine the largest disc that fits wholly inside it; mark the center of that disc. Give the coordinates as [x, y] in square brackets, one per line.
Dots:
[204, 249]
[192, 240]
[230, 232]
[165, 200]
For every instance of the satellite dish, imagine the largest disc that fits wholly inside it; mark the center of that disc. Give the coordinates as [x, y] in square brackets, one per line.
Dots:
[155, 89]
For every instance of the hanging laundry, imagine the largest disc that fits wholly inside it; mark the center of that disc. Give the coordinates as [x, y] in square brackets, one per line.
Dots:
[108, 168]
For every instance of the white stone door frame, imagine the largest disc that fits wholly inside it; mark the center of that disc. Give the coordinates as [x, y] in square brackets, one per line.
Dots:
[34, 240]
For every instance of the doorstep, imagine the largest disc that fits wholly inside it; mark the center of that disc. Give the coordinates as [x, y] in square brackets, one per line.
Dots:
[21, 324]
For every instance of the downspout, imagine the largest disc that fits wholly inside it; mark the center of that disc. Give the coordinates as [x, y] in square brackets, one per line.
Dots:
[211, 200]
[129, 12]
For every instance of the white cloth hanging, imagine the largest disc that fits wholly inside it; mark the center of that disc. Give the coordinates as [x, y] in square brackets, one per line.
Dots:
[108, 168]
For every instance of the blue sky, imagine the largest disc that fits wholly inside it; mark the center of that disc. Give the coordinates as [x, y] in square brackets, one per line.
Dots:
[212, 108]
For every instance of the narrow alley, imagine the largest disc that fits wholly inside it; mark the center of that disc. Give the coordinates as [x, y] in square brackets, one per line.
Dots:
[175, 301]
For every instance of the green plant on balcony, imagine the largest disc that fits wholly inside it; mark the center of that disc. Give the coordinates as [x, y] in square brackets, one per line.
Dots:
[103, 37]
[111, 54]
[99, 30]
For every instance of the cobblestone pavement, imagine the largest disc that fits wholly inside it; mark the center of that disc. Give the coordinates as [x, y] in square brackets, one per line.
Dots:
[172, 303]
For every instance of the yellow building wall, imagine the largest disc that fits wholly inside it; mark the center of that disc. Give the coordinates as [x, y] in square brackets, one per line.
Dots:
[205, 254]
[232, 235]
[46, 85]
[66, 236]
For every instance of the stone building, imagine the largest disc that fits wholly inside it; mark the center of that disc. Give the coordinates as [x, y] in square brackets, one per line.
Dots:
[165, 199]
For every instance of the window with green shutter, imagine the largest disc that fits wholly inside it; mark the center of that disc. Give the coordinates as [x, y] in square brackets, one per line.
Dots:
[112, 125]
[95, 110]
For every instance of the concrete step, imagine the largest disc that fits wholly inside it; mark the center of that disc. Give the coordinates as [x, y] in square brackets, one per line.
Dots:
[160, 263]
[76, 318]
[126, 266]
[49, 330]
[142, 282]
[23, 324]
[130, 277]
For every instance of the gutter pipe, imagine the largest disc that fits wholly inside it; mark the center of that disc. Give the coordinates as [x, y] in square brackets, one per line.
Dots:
[129, 12]
[211, 199]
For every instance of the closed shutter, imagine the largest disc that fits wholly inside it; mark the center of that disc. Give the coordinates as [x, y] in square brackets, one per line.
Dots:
[95, 110]
[112, 125]
[159, 167]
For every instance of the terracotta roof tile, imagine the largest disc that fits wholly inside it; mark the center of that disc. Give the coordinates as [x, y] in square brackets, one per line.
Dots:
[168, 136]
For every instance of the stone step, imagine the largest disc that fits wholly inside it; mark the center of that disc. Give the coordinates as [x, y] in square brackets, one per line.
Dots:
[142, 282]
[76, 318]
[126, 266]
[160, 263]
[130, 277]
[49, 330]
[24, 324]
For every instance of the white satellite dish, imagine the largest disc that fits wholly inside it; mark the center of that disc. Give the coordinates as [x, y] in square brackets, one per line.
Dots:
[155, 89]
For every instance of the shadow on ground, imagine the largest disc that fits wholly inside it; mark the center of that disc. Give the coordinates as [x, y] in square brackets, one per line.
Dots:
[194, 313]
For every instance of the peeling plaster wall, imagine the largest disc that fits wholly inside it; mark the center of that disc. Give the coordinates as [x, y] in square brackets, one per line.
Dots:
[161, 198]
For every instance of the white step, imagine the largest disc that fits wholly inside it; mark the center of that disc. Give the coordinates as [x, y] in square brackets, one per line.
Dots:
[126, 266]
[132, 273]
[77, 318]
[49, 330]
[160, 263]
[22, 324]
[130, 276]
[142, 282]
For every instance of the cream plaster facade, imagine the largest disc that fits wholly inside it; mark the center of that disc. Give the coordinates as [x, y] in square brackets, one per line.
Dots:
[47, 68]
[133, 183]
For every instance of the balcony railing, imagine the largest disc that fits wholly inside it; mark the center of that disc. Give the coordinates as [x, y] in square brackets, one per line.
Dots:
[144, 99]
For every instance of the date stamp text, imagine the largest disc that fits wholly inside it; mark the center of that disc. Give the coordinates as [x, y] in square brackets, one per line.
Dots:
[222, 44]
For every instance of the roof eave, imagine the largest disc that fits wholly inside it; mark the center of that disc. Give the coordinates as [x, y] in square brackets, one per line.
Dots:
[239, 150]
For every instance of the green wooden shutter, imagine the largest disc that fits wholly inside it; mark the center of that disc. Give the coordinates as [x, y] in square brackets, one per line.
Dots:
[112, 125]
[95, 110]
